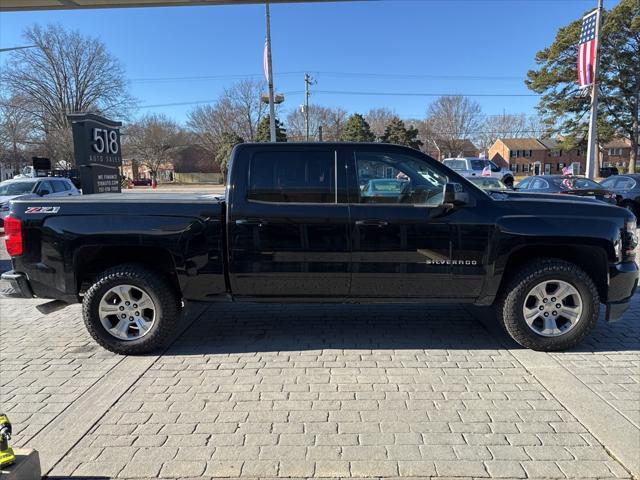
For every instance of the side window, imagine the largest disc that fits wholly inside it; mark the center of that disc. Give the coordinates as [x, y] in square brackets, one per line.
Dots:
[398, 178]
[524, 184]
[539, 184]
[45, 185]
[292, 177]
[58, 186]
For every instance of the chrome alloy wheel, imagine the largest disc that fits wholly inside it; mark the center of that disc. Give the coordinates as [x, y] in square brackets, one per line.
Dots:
[127, 312]
[552, 308]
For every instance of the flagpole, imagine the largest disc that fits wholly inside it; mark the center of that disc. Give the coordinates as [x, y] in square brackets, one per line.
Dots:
[272, 109]
[592, 148]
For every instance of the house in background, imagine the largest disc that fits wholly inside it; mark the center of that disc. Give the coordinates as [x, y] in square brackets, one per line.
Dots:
[616, 153]
[518, 154]
[462, 148]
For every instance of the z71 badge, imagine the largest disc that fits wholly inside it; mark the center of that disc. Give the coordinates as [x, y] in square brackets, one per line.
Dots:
[42, 210]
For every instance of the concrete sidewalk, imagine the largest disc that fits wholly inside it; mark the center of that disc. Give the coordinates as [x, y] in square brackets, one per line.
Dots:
[326, 391]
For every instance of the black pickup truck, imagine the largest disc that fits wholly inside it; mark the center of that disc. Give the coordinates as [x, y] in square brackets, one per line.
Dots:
[327, 222]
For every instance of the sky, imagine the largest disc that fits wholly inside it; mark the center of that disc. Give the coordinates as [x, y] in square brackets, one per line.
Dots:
[355, 51]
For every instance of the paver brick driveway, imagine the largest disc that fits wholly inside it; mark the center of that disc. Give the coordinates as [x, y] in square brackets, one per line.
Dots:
[326, 391]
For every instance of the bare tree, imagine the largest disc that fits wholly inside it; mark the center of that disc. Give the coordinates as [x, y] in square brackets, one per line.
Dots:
[66, 73]
[378, 119]
[152, 141]
[450, 121]
[16, 132]
[334, 124]
[243, 107]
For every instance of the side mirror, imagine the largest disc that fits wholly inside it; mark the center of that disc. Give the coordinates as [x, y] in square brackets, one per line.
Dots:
[42, 193]
[453, 194]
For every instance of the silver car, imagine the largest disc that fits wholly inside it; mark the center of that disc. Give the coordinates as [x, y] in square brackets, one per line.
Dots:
[26, 187]
[474, 167]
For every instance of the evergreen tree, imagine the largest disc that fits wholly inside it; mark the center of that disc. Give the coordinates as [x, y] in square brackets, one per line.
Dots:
[264, 131]
[356, 129]
[396, 132]
[225, 145]
[566, 112]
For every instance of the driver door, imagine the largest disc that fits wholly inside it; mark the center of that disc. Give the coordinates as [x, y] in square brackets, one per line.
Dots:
[400, 232]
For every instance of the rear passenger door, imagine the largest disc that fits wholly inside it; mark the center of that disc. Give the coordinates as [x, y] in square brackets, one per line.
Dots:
[288, 223]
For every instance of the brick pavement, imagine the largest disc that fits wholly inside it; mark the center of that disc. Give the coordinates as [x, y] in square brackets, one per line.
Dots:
[295, 391]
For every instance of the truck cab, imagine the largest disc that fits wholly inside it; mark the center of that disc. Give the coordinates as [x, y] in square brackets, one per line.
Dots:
[477, 167]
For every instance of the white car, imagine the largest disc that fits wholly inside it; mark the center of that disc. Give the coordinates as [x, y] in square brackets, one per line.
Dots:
[474, 167]
[29, 187]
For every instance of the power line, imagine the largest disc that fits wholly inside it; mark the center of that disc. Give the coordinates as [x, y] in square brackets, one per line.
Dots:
[416, 94]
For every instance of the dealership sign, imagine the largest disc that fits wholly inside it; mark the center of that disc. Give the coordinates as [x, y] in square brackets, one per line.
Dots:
[97, 152]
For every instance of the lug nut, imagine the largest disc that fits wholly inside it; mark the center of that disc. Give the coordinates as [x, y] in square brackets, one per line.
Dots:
[123, 316]
[121, 308]
[137, 313]
[558, 306]
[541, 307]
[546, 314]
[553, 299]
[554, 313]
[545, 300]
[135, 306]
[131, 318]
[127, 303]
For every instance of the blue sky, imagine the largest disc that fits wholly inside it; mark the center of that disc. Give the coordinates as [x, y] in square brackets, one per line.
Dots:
[389, 46]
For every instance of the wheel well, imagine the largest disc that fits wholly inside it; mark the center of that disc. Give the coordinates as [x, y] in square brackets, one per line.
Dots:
[90, 261]
[593, 260]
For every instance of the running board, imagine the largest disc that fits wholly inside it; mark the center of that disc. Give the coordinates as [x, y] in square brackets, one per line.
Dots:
[52, 306]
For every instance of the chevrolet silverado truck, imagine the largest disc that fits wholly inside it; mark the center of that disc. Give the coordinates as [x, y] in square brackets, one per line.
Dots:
[294, 226]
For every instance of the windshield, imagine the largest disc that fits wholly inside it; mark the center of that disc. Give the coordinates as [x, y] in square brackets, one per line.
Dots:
[456, 164]
[576, 183]
[489, 183]
[16, 188]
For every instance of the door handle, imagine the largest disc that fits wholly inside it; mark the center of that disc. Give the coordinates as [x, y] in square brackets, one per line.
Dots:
[372, 223]
[252, 221]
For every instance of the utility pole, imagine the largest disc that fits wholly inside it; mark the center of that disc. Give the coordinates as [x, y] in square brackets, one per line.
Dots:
[592, 149]
[308, 81]
[269, 73]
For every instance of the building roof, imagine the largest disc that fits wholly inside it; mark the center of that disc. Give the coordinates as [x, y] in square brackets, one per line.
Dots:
[523, 144]
[551, 143]
[618, 143]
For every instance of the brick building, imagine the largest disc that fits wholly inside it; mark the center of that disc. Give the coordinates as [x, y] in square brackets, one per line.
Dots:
[522, 155]
[617, 153]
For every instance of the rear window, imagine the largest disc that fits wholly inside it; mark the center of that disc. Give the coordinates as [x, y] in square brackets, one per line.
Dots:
[292, 177]
[456, 164]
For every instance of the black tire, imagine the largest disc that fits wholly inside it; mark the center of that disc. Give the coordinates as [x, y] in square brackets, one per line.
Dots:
[514, 295]
[166, 302]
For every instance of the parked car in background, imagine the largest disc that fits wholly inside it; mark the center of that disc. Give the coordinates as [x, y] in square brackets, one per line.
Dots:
[33, 187]
[142, 182]
[627, 191]
[474, 167]
[382, 188]
[569, 184]
[608, 171]
[489, 183]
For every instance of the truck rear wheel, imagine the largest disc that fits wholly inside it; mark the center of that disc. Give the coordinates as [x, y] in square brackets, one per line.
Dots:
[550, 305]
[131, 309]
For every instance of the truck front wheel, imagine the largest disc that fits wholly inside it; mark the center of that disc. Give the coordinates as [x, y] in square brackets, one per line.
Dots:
[550, 305]
[131, 309]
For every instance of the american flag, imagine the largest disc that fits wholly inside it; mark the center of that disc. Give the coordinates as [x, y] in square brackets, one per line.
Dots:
[265, 61]
[587, 49]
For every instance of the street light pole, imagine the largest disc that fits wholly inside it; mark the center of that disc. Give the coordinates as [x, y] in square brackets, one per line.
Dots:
[307, 84]
[592, 148]
[272, 108]
[17, 48]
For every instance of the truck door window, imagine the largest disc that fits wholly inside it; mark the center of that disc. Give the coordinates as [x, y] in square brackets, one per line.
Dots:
[58, 186]
[292, 177]
[398, 178]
